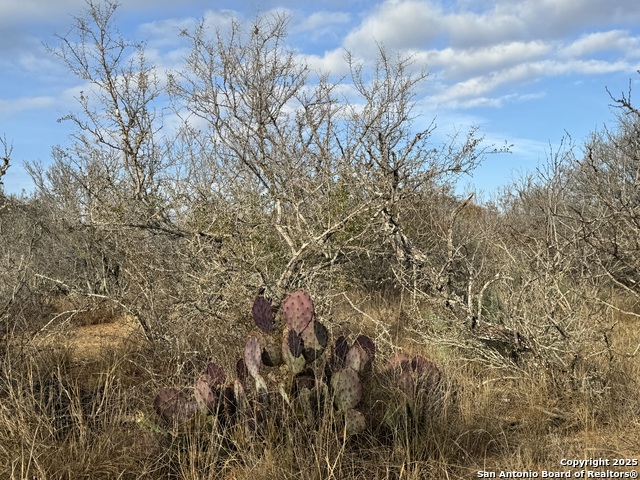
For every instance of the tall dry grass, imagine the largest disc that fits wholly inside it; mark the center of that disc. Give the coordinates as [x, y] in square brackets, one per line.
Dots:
[67, 418]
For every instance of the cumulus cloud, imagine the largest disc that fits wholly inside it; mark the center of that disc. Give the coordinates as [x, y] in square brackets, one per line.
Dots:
[321, 24]
[332, 61]
[478, 51]
[397, 25]
[594, 43]
[456, 63]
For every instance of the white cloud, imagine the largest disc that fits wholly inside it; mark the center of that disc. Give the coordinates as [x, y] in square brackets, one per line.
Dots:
[602, 41]
[321, 23]
[396, 25]
[36, 10]
[332, 61]
[14, 106]
[457, 63]
[475, 50]
[481, 90]
[471, 30]
[165, 32]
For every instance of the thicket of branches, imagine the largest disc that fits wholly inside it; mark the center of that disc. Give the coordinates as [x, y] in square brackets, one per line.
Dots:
[278, 177]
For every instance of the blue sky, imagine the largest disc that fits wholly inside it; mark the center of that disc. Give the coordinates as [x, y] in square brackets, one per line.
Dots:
[524, 71]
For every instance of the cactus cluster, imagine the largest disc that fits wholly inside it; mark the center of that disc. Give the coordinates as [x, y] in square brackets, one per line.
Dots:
[416, 390]
[212, 396]
[339, 382]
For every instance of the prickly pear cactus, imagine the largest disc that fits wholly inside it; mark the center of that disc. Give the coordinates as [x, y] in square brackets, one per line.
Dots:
[347, 389]
[205, 396]
[271, 353]
[214, 375]
[298, 310]
[229, 403]
[340, 350]
[253, 356]
[413, 376]
[354, 422]
[262, 314]
[294, 343]
[428, 376]
[173, 406]
[292, 352]
[241, 370]
[261, 388]
[315, 341]
[356, 358]
[335, 387]
[239, 394]
[368, 346]
[419, 382]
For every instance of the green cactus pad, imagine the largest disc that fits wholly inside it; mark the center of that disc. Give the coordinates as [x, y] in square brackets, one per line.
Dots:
[347, 389]
[298, 310]
[262, 314]
[354, 422]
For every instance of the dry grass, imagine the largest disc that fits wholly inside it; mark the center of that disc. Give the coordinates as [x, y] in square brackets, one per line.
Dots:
[74, 412]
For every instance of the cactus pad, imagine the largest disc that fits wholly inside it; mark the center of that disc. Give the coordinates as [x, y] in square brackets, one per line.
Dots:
[272, 355]
[239, 394]
[399, 362]
[347, 389]
[261, 388]
[426, 373]
[172, 405]
[295, 343]
[368, 346]
[356, 358]
[406, 383]
[262, 314]
[205, 397]
[229, 402]
[241, 370]
[315, 341]
[340, 349]
[302, 381]
[214, 375]
[298, 310]
[253, 356]
[413, 376]
[354, 422]
[295, 363]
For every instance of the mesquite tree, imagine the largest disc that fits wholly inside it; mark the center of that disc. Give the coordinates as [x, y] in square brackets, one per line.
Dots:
[277, 176]
[320, 174]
